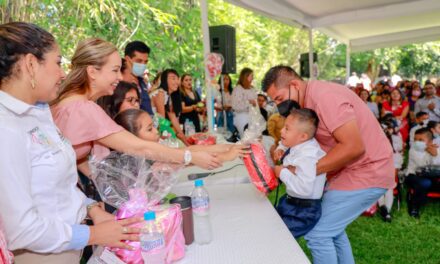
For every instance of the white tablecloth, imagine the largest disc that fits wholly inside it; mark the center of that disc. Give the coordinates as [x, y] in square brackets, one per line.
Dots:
[246, 229]
[232, 172]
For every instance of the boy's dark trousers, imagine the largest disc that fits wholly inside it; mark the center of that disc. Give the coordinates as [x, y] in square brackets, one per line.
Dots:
[420, 186]
[299, 215]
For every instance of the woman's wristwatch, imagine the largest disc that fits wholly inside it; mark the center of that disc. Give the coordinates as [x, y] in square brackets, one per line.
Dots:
[187, 157]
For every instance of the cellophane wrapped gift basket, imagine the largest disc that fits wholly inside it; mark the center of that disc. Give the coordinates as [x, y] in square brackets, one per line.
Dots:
[135, 185]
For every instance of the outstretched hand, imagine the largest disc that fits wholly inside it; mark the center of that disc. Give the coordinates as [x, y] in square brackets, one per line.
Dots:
[206, 160]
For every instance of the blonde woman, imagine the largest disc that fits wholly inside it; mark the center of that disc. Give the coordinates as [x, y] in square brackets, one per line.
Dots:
[95, 73]
[243, 96]
[42, 210]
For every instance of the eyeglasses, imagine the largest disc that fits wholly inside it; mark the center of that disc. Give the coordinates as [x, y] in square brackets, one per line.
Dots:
[132, 100]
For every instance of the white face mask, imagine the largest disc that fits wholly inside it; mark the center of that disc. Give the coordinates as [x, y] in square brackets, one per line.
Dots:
[424, 123]
[139, 69]
[419, 146]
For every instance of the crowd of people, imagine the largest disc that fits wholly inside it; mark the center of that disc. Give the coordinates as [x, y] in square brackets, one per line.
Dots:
[52, 124]
[410, 116]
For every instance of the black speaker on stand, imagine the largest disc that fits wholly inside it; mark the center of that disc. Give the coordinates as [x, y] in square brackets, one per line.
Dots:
[222, 40]
[304, 69]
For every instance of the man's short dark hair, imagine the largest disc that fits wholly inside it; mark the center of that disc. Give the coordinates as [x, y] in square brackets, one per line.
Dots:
[308, 117]
[432, 124]
[279, 75]
[425, 131]
[138, 46]
[420, 114]
[263, 95]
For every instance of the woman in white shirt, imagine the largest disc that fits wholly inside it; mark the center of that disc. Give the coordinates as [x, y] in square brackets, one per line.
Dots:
[224, 103]
[41, 207]
[243, 96]
[365, 96]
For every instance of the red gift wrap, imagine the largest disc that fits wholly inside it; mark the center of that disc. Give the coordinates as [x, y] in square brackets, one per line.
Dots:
[202, 139]
[262, 175]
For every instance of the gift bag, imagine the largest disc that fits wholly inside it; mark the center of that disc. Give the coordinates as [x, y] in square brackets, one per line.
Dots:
[202, 139]
[170, 219]
[260, 172]
[257, 163]
[135, 185]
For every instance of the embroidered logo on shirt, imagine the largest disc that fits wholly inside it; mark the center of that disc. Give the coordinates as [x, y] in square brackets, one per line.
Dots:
[38, 137]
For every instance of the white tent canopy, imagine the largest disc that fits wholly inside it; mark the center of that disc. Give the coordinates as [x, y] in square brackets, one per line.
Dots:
[362, 24]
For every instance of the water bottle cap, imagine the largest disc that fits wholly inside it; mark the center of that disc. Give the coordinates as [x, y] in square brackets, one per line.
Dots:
[198, 183]
[149, 215]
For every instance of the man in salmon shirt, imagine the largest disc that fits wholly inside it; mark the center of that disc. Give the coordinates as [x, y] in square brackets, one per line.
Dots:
[359, 160]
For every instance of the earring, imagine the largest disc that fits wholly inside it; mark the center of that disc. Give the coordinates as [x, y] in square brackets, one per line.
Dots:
[33, 83]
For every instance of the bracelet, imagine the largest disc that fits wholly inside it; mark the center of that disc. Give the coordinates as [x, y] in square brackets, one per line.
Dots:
[90, 206]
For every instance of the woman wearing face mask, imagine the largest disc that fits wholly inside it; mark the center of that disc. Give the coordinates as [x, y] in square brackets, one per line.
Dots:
[400, 109]
[414, 94]
[243, 95]
[422, 153]
[167, 102]
[190, 100]
[42, 209]
[95, 73]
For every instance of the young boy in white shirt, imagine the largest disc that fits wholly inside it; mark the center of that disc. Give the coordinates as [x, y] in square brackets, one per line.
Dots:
[435, 129]
[422, 119]
[300, 207]
[423, 153]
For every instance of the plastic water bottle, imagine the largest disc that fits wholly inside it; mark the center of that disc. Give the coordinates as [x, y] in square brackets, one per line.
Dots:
[198, 86]
[200, 207]
[186, 127]
[152, 241]
[191, 128]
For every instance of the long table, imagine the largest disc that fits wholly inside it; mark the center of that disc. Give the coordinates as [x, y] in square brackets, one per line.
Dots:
[232, 172]
[246, 229]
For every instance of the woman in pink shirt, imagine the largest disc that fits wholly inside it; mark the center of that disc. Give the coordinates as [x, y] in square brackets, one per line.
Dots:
[95, 72]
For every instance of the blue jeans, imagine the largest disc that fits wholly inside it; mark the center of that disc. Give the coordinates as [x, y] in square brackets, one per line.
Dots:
[229, 120]
[327, 240]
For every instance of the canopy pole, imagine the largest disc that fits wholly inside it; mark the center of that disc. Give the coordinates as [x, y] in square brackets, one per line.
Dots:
[311, 54]
[206, 51]
[347, 61]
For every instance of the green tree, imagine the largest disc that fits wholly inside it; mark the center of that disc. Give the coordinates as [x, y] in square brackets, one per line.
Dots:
[172, 28]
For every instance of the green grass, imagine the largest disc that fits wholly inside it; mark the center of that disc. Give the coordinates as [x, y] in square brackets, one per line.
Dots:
[404, 240]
